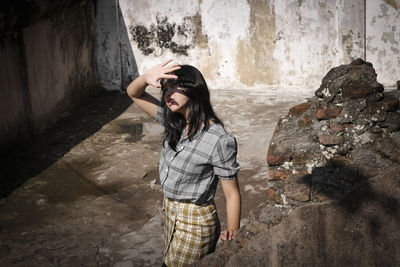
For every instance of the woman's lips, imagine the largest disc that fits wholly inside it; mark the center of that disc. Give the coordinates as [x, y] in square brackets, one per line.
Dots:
[170, 102]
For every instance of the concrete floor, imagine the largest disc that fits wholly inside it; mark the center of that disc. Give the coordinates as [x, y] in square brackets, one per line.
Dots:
[86, 192]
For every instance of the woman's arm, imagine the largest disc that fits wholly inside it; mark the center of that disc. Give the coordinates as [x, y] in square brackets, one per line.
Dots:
[136, 90]
[232, 196]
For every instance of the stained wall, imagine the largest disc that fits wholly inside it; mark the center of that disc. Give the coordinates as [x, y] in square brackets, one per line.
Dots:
[383, 39]
[262, 44]
[48, 64]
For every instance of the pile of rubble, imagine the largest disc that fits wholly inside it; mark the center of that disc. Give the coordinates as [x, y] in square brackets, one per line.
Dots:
[334, 172]
[348, 132]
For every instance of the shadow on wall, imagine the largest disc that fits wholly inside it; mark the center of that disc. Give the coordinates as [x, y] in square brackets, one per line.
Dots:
[115, 59]
[129, 69]
[353, 191]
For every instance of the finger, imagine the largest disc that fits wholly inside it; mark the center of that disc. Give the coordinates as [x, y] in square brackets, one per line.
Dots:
[230, 235]
[223, 235]
[171, 69]
[166, 62]
[169, 76]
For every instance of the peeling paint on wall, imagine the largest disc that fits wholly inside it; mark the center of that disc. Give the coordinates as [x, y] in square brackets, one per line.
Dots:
[255, 62]
[253, 44]
[383, 39]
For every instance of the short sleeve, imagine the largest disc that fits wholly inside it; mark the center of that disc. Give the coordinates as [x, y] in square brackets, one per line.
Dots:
[224, 158]
[160, 115]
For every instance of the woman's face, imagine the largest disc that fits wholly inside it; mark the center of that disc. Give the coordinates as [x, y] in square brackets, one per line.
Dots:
[175, 98]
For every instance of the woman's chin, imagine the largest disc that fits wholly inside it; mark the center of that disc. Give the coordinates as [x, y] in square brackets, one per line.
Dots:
[173, 108]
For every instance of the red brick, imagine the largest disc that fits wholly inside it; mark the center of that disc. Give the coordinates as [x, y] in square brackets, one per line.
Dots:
[273, 195]
[299, 109]
[325, 113]
[330, 139]
[275, 158]
[335, 126]
[277, 175]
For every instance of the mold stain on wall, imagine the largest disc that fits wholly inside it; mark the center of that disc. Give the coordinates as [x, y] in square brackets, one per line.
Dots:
[392, 3]
[255, 63]
[350, 41]
[178, 38]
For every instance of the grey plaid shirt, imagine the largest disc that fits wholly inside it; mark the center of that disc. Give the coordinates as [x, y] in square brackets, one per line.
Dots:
[191, 172]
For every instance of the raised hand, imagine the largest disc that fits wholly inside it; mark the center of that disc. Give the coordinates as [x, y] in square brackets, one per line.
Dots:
[161, 71]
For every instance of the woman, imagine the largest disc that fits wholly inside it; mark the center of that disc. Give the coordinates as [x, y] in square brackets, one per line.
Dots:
[197, 153]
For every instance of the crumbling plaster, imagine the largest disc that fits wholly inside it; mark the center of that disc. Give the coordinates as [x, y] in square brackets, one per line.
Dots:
[251, 44]
[383, 39]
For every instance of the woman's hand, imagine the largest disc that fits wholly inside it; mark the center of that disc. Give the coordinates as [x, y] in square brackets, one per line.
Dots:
[228, 234]
[232, 196]
[161, 71]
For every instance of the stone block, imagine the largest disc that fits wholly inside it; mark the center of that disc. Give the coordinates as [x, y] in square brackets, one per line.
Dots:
[369, 162]
[329, 140]
[386, 104]
[304, 121]
[363, 90]
[269, 214]
[398, 85]
[334, 126]
[388, 148]
[391, 122]
[340, 161]
[299, 109]
[330, 112]
[330, 183]
[297, 187]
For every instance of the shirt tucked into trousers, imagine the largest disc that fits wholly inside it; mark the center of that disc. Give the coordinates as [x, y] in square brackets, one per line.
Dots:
[189, 177]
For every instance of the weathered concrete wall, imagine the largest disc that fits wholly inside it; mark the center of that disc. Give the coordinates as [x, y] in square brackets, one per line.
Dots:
[261, 44]
[14, 98]
[383, 39]
[48, 66]
[115, 59]
[248, 44]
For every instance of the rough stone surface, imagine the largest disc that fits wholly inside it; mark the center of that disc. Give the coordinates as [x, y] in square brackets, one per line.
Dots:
[360, 230]
[355, 80]
[338, 179]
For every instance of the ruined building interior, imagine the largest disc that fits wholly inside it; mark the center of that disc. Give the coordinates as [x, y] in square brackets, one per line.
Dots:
[310, 90]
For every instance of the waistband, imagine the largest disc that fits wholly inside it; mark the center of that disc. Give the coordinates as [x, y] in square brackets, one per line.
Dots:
[190, 201]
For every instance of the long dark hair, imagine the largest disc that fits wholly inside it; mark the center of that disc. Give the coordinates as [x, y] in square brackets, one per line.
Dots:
[200, 109]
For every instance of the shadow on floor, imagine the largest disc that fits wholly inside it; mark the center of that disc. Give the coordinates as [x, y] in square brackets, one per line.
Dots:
[27, 160]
